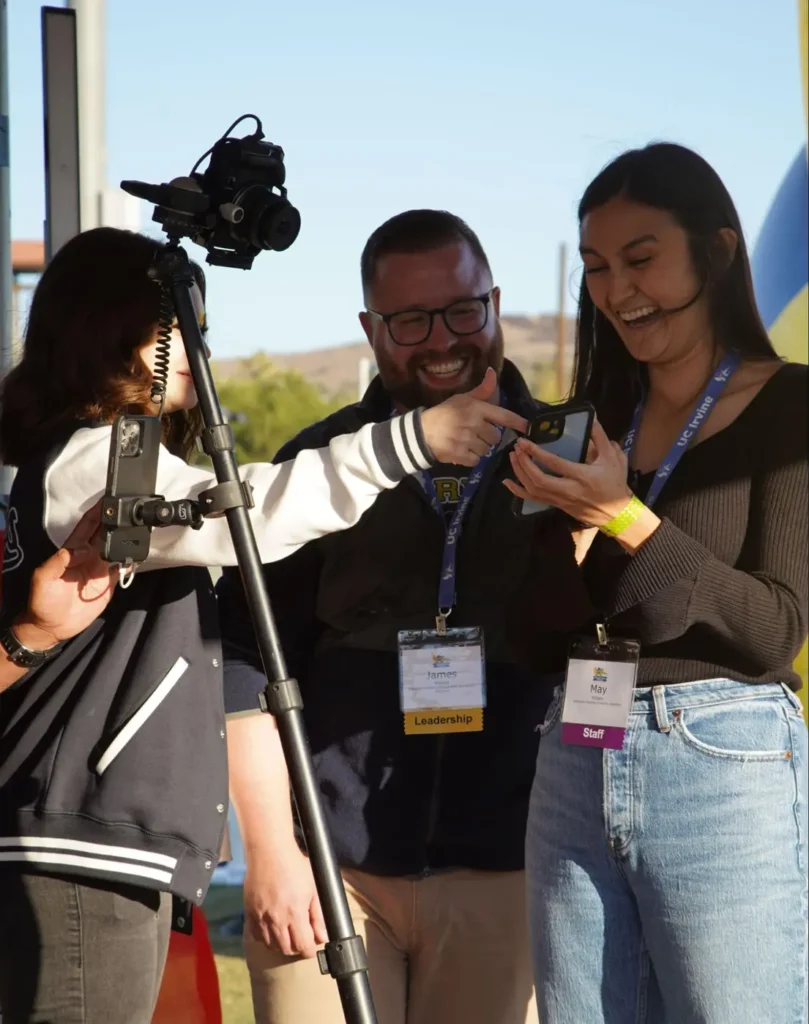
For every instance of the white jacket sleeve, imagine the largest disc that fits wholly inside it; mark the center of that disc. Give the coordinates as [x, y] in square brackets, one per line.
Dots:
[321, 491]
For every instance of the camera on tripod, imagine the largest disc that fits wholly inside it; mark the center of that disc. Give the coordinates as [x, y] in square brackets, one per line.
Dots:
[237, 208]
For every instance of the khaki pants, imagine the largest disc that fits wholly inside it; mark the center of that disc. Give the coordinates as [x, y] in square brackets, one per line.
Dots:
[448, 949]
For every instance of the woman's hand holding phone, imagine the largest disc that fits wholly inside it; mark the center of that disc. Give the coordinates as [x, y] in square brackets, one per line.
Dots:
[592, 492]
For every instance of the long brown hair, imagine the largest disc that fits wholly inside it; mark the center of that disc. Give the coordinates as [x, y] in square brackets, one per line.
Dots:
[672, 178]
[93, 309]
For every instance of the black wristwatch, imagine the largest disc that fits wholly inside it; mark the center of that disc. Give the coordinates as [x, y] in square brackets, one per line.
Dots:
[19, 654]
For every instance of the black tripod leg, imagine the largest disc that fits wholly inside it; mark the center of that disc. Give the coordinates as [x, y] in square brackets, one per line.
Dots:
[345, 954]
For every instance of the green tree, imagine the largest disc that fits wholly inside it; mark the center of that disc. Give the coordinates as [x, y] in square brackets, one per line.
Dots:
[269, 406]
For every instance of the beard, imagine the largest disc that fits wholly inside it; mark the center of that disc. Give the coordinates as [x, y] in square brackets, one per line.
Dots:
[410, 390]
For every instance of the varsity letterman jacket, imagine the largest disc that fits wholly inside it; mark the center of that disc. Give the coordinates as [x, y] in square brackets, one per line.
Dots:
[112, 754]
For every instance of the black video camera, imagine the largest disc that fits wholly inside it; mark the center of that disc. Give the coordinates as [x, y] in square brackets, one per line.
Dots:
[236, 208]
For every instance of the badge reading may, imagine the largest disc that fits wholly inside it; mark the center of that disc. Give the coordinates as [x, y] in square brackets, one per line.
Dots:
[599, 689]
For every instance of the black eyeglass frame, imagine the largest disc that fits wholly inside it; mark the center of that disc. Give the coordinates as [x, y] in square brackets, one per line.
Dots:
[386, 318]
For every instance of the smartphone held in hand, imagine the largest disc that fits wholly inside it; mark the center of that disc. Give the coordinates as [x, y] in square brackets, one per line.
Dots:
[563, 430]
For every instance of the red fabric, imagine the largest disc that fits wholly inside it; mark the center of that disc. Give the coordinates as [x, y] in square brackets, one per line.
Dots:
[189, 993]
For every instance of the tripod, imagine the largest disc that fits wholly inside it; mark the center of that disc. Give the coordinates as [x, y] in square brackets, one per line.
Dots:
[344, 956]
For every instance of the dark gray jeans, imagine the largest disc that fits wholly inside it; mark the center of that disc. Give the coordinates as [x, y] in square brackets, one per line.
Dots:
[80, 952]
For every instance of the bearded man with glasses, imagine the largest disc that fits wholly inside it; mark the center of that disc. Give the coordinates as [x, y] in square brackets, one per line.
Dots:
[426, 641]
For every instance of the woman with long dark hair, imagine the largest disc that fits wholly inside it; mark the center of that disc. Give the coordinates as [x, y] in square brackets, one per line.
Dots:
[113, 775]
[667, 840]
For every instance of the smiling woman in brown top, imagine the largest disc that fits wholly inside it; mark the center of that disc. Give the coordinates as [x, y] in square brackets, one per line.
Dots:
[667, 875]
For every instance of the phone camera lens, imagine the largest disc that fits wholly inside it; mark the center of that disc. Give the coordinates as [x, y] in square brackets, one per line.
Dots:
[130, 440]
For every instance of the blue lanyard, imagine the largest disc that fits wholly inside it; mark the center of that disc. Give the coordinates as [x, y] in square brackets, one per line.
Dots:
[716, 385]
[446, 586]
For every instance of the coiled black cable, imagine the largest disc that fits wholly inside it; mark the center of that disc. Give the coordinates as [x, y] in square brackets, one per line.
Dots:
[160, 373]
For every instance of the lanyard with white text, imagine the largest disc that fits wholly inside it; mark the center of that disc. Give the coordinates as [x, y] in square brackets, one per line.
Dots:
[716, 385]
[446, 586]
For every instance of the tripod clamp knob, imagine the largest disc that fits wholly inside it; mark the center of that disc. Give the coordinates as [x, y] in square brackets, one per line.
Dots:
[343, 957]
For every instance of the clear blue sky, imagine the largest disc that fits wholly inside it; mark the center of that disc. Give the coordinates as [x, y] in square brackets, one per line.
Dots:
[499, 111]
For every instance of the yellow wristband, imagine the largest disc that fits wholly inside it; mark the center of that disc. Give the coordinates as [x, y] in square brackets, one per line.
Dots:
[629, 514]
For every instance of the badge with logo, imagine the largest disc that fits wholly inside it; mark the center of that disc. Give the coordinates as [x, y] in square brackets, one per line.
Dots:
[599, 686]
[442, 680]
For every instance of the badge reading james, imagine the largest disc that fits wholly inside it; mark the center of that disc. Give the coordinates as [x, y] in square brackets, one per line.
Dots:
[442, 680]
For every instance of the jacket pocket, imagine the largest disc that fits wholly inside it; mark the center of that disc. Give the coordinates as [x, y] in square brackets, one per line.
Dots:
[134, 724]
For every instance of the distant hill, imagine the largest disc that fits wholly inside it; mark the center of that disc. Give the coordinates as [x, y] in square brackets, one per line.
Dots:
[530, 341]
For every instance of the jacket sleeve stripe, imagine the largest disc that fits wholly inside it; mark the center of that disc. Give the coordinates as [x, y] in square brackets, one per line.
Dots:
[409, 449]
[416, 441]
[393, 453]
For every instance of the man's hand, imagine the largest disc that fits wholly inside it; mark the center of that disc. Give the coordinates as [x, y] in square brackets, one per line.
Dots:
[281, 905]
[463, 428]
[69, 590]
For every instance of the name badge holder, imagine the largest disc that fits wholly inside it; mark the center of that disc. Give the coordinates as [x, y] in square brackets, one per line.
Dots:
[442, 671]
[599, 686]
[442, 680]
[602, 672]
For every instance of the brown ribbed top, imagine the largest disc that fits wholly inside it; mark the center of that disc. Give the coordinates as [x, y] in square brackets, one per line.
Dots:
[722, 587]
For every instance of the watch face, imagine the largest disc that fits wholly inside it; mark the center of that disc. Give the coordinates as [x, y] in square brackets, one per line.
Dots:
[29, 659]
[17, 653]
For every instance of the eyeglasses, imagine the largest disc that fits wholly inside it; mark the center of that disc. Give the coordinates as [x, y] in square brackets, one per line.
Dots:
[413, 326]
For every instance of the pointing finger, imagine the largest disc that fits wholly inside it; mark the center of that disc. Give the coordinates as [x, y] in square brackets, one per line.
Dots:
[505, 418]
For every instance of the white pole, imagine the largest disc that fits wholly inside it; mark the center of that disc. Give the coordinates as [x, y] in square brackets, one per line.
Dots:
[91, 35]
[6, 307]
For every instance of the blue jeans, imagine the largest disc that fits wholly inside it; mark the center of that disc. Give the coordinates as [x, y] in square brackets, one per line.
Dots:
[667, 881]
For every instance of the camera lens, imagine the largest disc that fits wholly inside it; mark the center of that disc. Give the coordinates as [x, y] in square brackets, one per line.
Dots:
[269, 221]
[130, 439]
[547, 429]
[278, 227]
